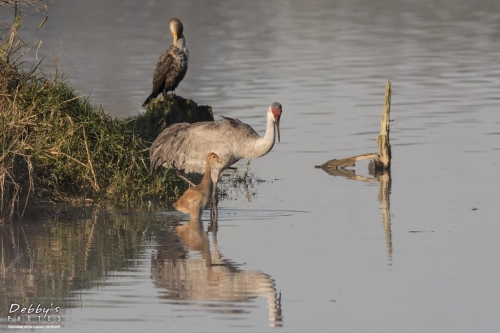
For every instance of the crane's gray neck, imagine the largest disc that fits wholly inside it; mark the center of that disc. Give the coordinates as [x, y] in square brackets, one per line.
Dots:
[263, 145]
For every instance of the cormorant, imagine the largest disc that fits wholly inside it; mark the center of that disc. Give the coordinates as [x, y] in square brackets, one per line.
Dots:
[172, 65]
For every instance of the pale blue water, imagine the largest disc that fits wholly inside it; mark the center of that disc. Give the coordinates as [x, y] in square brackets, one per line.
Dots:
[320, 239]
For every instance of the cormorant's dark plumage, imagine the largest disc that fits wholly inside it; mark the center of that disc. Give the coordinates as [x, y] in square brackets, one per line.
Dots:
[172, 65]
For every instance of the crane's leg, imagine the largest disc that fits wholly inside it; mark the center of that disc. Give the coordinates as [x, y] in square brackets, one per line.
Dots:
[214, 237]
[181, 176]
[214, 212]
[213, 225]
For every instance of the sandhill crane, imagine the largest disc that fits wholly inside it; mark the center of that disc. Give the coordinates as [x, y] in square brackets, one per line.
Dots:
[196, 197]
[184, 146]
[172, 64]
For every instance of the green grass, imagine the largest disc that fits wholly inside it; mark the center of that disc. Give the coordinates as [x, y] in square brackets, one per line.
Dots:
[55, 145]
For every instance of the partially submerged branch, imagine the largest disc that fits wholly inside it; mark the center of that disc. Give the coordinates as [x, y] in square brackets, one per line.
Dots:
[346, 162]
[379, 167]
[384, 161]
[380, 162]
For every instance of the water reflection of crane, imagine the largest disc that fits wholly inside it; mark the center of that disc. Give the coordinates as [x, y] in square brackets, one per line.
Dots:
[210, 278]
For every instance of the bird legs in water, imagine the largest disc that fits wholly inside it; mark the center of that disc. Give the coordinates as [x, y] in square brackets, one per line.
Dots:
[214, 202]
[181, 176]
[214, 211]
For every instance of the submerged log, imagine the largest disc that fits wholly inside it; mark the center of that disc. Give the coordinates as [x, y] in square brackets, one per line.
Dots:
[345, 162]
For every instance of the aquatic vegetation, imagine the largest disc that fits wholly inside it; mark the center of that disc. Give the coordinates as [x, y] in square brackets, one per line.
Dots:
[56, 146]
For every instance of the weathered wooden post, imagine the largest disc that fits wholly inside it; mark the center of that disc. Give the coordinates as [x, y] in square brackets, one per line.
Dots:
[384, 161]
[379, 167]
[380, 162]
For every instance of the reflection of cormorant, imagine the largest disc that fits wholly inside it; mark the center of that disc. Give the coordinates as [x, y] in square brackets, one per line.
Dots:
[172, 65]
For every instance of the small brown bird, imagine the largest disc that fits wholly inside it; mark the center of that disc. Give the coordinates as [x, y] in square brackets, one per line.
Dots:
[196, 197]
[172, 65]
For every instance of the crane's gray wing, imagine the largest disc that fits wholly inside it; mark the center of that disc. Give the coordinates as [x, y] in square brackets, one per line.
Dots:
[245, 132]
[185, 146]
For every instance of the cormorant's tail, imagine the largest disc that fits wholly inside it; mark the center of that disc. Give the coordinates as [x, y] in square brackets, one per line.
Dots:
[146, 102]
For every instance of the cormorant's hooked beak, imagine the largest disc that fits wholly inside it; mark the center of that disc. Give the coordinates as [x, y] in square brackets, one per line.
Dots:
[175, 37]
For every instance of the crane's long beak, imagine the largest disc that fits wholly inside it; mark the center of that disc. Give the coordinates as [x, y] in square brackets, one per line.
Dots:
[278, 128]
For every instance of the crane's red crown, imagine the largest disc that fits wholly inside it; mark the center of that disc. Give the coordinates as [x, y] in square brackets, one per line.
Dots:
[276, 110]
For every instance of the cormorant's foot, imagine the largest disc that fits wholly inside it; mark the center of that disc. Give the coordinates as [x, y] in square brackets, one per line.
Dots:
[175, 96]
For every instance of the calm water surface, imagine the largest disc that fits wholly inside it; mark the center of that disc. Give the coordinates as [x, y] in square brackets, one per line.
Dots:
[303, 251]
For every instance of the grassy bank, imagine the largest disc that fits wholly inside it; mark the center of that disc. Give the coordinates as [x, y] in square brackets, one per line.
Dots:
[55, 145]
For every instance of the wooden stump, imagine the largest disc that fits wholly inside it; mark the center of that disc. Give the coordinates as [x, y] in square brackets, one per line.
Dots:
[381, 162]
[161, 113]
[379, 168]
[383, 142]
[165, 112]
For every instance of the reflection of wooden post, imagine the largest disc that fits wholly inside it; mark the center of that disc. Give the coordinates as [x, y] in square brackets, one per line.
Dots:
[383, 167]
[379, 167]
[385, 206]
[384, 162]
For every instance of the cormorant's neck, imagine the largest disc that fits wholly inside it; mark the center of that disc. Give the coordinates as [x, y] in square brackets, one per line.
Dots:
[180, 43]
